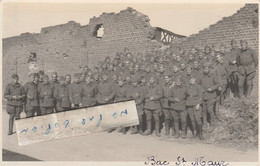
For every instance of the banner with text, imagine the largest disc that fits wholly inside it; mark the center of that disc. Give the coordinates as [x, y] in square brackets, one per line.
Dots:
[76, 122]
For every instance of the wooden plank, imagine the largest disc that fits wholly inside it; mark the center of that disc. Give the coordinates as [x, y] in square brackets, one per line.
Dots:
[76, 122]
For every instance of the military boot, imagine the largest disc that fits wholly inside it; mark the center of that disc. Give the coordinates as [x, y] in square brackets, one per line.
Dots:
[11, 122]
[148, 127]
[167, 127]
[177, 130]
[212, 126]
[124, 130]
[134, 131]
[141, 128]
[157, 128]
[200, 132]
[184, 131]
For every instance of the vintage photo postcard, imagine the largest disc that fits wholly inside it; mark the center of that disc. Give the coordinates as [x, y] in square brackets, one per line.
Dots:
[130, 83]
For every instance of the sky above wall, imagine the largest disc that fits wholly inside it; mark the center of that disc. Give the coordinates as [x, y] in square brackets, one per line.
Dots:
[184, 19]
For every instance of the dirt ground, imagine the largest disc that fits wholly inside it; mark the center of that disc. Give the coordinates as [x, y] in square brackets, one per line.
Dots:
[118, 147]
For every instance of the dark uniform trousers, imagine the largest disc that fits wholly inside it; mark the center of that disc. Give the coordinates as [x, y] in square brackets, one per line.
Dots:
[14, 113]
[248, 79]
[179, 115]
[46, 110]
[195, 115]
[31, 110]
[208, 107]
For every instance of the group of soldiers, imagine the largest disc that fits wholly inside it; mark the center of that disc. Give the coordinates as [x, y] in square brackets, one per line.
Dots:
[182, 90]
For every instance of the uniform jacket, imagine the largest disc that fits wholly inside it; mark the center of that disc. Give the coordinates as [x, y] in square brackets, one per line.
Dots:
[167, 94]
[247, 61]
[14, 90]
[222, 70]
[179, 92]
[154, 91]
[138, 94]
[106, 89]
[194, 95]
[209, 80]
[89, 95]
[75, 93]
[31, 92]
[121, 93]
[232, 56]
[46, 94]
[61, 94]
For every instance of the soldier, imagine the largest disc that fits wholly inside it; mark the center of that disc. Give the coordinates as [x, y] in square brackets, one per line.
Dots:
[177, 103]
[197, 71]
[32, 97]
[152, 105]
[247, 62]
[82, 78]
[210, 83]
[232, 61]
[89, 93]
[67, 79]
[186, 76]
[137, 92]
[54, 80]
[15, 94]
[75, 92]
[167, 93]
[193, 105]
[41, 74]
[106, 90]
[46, 96]
[61, 94]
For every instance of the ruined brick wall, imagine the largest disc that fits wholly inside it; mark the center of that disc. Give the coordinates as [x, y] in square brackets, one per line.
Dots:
[66, 48]
[241, 25]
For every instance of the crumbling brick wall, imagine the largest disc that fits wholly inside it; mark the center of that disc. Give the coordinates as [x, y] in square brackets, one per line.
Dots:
[241, 25]
[68, 47]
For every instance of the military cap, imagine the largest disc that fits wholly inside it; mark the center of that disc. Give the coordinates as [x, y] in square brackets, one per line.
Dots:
[68, 75]
[54, 73]
[15, 76]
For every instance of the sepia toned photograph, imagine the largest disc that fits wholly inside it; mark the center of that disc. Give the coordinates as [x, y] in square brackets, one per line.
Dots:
[153, 83]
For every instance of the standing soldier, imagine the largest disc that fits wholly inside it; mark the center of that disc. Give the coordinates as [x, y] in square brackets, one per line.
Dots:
[193, 105]
[61, 94]
[89, 93]
[46, 96]
[232, 60]
[32, 97]
[14, 93]
[54, 81]
[210, 83]
[167, 93]
[106, 90]
[152, 105]
[75, 92]
[179, 111]
[247, 62]
[137, 93]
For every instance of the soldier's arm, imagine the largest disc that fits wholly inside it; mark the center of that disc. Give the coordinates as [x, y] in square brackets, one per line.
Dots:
[255, 58]
[70, 93]
[238, 59]
[22, 96]
[7, 93]
[216, 82]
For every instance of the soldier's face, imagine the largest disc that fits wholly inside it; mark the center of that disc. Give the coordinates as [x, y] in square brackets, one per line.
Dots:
[134, 84]
[77, 79]
[200, 55]
[175, 69]
[222, 49]
[152, 59]
[160, 60]
[15, 80]
[206, 70]
[161, 69]
[192, 81]
[181, 51]
[233, 44]
[143, 81]
[54, 77]
[104, 77]
[82, 77]
[178, 58]
[193, 50]
[219, 58]
[174, 57]
[188, 71]
[96, 77]
[67, 80]
[32, 78]
[115, 77]
[120, 83]
[183, 66]
[178, 82]
[244, 46]
[62, 82]
[128, 79]
[131, 70]
[36, 79]
[196, 65]
[88, 80]
[191, 57]
[108, 60]
[167, 79]
[136, 68]
[151, 80]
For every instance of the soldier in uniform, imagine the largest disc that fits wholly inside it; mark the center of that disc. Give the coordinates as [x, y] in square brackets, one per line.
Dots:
[152, 105]
[46, 96]
[75, 92]
[210, 83]
[61, 94]
[54, 80]
[89, 93]
[106, 90]
[32, 97]
[177, 103]
[247, 62]
[137, 92]
[193, 105]
[167, 93]
[232, 61]
[14, 93]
